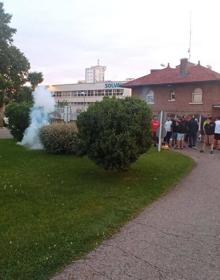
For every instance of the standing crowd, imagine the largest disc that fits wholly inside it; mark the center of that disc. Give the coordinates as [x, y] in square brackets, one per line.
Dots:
[185, 131]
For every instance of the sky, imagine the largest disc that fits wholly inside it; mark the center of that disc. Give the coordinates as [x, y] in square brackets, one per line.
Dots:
[62, 38]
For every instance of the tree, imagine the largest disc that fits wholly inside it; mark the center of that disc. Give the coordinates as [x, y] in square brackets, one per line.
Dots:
[35, 78]
[24, 95]
[115, 132]
[14, 65]
[18, 118]
[6, 32]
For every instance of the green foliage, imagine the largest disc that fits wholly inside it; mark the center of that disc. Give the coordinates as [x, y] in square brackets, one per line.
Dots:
[18, 118]
[18, 69]
[60, 138]
[1, 99]
[24, 95]
[13, 68]
[14, 65]
[61, 104]
[115, 132]
[6, 32]
[35, 78]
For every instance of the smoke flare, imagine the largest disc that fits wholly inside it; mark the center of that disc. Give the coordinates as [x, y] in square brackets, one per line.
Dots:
[44, 105]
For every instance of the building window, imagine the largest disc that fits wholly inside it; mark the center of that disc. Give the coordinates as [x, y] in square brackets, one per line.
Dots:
[57, 94]
[119, 92]
[197, 96]
[90, 92]
[108, 92]
[150, 97]
[172, 95]
[100, 92]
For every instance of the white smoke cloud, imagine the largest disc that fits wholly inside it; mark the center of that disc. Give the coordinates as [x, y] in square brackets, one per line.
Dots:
[44, 105]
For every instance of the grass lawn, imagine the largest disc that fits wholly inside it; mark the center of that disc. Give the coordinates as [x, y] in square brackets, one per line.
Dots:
[54, 209]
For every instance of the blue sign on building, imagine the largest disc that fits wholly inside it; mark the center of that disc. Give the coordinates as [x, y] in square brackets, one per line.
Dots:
[112, 85]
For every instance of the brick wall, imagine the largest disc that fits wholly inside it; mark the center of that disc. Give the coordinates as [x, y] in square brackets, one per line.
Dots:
[183, 100]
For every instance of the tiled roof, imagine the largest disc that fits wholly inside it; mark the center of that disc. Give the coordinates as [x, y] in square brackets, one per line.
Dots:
[196, 73]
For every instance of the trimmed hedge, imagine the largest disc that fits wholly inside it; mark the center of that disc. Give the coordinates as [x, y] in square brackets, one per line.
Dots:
[115, 132]
[60, 138]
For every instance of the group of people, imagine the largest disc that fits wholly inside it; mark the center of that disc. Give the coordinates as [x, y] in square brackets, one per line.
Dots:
[210, 133]
[185, 131]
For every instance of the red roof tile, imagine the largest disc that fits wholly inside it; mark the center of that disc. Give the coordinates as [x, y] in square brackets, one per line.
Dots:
[196, 73]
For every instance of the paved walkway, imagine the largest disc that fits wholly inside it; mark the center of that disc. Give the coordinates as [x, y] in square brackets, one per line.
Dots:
[176, 238]
[5, 134]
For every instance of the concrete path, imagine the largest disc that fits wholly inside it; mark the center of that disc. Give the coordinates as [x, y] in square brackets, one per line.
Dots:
[5, 134]
[176, 238]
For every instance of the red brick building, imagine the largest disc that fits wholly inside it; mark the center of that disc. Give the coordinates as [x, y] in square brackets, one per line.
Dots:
[186, 89]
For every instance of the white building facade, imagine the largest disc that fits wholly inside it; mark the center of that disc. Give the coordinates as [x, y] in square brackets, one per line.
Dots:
[95, 74]
[72, 99]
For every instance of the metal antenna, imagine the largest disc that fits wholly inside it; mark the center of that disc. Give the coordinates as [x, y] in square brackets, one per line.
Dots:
[190, 35]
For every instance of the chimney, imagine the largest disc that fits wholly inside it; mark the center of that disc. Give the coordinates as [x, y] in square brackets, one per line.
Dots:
[153, 70]
[183, 66]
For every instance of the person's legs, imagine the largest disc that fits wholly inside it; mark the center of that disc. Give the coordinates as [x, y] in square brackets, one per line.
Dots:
[178, 140]
[218, 144]
[202, 142]
[168, 136]
[154, 138]
[211, 142]
[165, 138]
[194, 139]
[205, 141]
[181, 144]
[217, 138]
[186, 140]
[182, 141]
[190, 140]
[215, 143]
[174, 139]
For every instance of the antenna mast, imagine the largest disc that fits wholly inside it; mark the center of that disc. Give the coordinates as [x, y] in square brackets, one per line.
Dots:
[190, 35]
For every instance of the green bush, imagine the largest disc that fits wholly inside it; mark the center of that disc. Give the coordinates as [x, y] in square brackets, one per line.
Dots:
[60, 138]
[115, 132]
[18, 118]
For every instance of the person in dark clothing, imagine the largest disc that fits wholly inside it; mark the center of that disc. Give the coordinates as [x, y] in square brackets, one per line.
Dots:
[174, 133]
[203, 120]
[180, 129]
[209, 131]
[186, 135]
[192, 131]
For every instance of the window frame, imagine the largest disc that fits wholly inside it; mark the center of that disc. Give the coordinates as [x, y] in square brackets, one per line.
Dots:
[197, 92]
[172, 93]
[150, 94]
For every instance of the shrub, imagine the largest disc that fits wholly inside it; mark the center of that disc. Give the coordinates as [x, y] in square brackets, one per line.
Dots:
[115, 132]
[18, 118]
[59, 138]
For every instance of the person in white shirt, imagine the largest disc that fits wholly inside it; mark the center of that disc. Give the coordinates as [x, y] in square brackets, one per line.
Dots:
[168, 129]
[217, 133]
